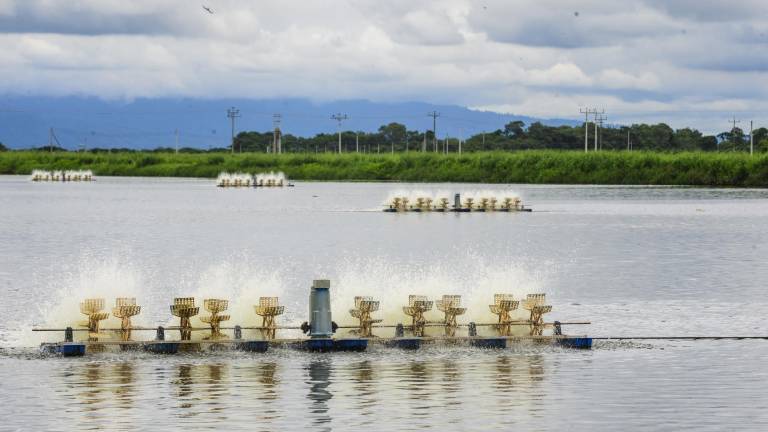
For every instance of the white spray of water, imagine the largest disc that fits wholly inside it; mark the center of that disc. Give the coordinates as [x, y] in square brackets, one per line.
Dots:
[68, 175]
[94, 279]
[437, 194]
[275, 178]
[474, 278]
[234, 179]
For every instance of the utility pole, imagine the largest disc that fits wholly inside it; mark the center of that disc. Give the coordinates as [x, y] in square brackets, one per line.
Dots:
[586, 112]
[483, 148]
[751, 140]
[599, 118]
[424, 144]
[232, 114]
[733, 128]
[357, 142]
[598, 115]
[629, 143]
[277, 146]
[445, 144]
[51, 138]
[177, 141]
[434, 115]
[339, 117]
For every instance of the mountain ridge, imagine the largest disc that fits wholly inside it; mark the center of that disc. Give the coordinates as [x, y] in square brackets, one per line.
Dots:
[82, 121]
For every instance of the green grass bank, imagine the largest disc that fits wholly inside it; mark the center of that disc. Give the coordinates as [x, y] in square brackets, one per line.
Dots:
[545, 166]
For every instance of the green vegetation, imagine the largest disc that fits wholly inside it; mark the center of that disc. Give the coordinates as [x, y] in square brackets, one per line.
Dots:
[535, 166]
[515, 135]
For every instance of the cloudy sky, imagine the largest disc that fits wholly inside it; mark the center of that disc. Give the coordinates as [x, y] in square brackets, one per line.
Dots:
[684, 62]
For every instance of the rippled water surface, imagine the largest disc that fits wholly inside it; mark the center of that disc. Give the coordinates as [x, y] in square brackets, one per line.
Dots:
[635, 261]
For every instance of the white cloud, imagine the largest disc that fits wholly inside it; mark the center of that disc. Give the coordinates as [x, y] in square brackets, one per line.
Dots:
[637, 58]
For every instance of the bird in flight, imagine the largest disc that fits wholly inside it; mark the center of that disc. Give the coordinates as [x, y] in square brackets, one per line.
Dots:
[207, 9]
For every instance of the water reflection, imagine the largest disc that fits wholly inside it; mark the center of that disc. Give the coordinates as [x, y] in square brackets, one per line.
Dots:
[451, 382]
[366, 393]
[184, 387]
[198, 388]
[319, 381]
[125, 390]
[90, 388]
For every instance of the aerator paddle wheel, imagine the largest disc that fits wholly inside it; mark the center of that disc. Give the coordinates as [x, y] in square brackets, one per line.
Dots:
[364, 307]
[450, 305]
[268, 308]
[125, 308]
[502, 305]
[420, 204]
[535, 304]
[93, 309]
[443, 204]
[469, 203]
[215, 307]
[417, 306]
[184, 308]
[511, 204]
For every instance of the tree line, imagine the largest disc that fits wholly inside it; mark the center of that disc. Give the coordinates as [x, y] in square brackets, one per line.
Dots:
[515, 135]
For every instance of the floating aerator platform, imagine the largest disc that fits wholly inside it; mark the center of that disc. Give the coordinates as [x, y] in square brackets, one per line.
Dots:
[321, 331]
[236, 180]
[61, 176]
[440, 204]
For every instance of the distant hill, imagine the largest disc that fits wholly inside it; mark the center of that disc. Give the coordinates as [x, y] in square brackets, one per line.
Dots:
[203, 123]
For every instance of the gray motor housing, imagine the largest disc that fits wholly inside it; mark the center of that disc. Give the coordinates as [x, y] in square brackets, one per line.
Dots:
[320, 322]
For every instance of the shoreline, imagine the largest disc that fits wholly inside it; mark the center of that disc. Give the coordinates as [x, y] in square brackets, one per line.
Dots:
[688, 169]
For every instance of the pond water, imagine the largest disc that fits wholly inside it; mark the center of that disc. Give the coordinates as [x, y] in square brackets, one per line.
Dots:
[635, 261]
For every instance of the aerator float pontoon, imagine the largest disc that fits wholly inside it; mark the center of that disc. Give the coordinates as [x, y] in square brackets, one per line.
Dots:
[320, 329]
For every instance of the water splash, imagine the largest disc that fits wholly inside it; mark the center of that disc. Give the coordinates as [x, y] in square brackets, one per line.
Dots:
[226, 179]
[68, 175]
[94, 279]
[473, 277]
[467, 273]
[437, 195]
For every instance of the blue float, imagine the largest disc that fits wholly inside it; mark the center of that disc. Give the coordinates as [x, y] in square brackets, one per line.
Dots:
[253, 346]
[66, 349]
[495, 343]
[576, 342]
[162, 347]
[404, 343]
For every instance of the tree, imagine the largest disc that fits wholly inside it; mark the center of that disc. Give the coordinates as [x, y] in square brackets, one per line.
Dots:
[514, 129]
[687, 139]
[393, 134]
[3, 148]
